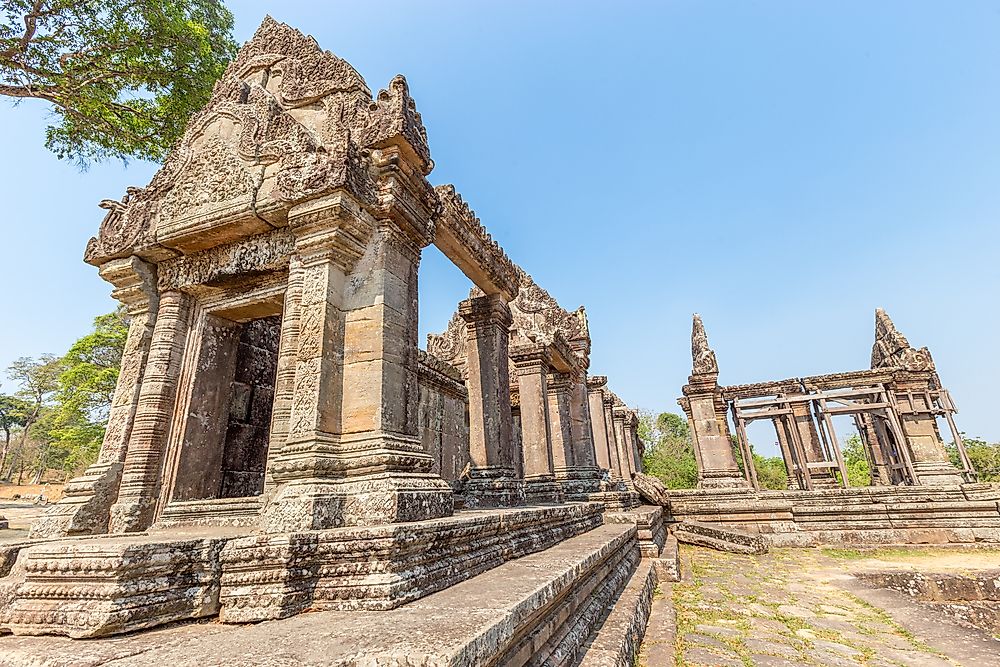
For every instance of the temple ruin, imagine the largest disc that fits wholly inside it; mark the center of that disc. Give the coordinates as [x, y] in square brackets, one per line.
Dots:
[277, 442]
[916, 493]
[279, 449]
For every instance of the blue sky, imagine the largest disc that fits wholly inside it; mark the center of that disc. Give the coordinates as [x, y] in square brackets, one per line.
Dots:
[780, 167]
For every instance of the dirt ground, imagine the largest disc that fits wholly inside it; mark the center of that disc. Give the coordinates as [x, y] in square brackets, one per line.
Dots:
[52, 492]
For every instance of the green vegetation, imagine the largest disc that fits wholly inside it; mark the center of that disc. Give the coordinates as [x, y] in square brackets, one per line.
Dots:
[669, 453]
[984, 456]
[122, 76]
[858, 471]
[56, 418]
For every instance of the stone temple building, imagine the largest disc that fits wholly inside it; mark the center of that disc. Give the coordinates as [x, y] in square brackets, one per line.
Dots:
[916, 494]
[277, 441]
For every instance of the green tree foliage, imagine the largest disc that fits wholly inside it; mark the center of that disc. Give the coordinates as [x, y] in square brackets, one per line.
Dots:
[37, 381]
[123, 76]
[858, 470]
[13, 416]
[771, 473]
[86, 387]
[62, 403]
[669, 453]
[984, 456]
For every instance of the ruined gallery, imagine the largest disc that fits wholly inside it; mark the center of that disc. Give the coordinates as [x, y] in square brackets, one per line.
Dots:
[285, 459]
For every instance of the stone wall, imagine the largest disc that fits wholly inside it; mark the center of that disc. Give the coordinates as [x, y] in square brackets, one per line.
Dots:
[443, 413]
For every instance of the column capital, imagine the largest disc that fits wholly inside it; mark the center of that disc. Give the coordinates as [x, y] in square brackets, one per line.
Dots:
[333, 228]
[134, 281]
[530, 358]
[597, 382]
[559, 381]
[488, 309]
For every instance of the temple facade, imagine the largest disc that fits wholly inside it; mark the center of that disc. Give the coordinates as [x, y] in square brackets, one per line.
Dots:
[277, 441]
[895, 406]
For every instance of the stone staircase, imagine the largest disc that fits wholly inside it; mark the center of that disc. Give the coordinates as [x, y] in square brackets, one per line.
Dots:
[583, 600]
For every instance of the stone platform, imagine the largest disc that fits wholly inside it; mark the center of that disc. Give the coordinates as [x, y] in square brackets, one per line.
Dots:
[956, 514]
[585, 600]
[89, 587]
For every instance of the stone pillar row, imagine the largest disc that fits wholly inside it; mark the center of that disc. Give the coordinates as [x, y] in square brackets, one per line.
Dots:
[569, 445]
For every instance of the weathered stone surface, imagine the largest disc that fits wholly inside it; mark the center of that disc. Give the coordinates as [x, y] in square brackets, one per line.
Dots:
[540, 608]
[718, 537]
[274, 576]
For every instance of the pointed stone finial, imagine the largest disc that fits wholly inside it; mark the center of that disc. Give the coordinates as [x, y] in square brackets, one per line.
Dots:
[702, 356]
[892, 350]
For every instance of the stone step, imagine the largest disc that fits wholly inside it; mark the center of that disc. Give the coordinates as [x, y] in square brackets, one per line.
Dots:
[616, 643]
[540, 609]
[719, 537]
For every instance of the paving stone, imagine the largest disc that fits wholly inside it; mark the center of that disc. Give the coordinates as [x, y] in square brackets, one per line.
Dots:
[705, 641]
[761, 660]
[718, 630]
[795, 611]
[770, 647]
[703, 657]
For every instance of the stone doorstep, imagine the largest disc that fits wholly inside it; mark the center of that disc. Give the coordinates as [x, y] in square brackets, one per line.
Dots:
[266, 577]
[618, 640]
[492, 614]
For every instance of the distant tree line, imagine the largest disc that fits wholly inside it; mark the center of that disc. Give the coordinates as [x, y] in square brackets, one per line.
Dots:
[53, 423]
[670, 456]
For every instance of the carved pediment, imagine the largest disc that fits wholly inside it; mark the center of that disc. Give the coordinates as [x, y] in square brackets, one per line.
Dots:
[286, 122]
[538, 316]
[702, 356]
[891, 349]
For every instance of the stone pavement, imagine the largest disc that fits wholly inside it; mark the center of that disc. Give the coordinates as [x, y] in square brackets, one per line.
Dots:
[797, 607]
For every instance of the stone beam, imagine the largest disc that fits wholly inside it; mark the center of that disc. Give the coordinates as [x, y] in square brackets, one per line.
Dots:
[463, 239]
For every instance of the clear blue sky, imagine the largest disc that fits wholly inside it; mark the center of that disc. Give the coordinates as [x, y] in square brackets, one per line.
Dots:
[780, 167]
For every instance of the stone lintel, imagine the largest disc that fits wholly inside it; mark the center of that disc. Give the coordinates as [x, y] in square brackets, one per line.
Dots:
[463, 239]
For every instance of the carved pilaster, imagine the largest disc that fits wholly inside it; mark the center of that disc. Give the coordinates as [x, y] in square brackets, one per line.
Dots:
[141, 477]
[492, 478]
[86, 504]
[531, 366]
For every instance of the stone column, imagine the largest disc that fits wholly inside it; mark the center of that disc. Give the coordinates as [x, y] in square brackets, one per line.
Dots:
[142, 473]
[284, 380]
[353, 455]
[584, 454]
[717, 466]
[560, 424]
[620, 416]
[599, 427]
[632, 424]
[531, 365]
[492, 481]
[86, 504]
[619, 468]
[930, 458]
